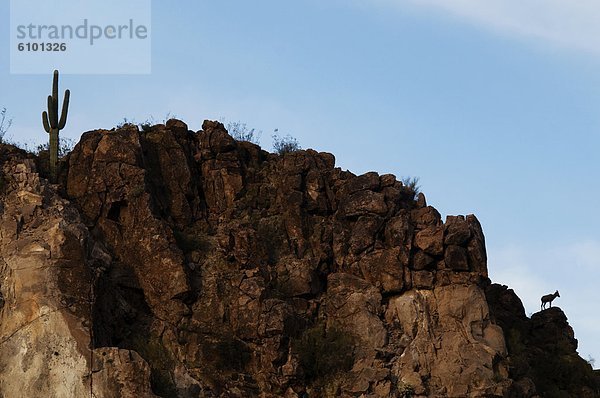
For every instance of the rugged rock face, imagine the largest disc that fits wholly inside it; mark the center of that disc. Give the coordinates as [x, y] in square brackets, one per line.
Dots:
[542, 349]
[182, 264]
[48, 263]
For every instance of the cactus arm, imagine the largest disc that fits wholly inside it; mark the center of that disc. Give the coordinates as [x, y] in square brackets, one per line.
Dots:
[55, 86]
[45, 122]
[65, 109]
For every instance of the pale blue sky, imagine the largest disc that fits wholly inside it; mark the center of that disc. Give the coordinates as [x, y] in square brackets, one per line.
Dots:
[494, 105]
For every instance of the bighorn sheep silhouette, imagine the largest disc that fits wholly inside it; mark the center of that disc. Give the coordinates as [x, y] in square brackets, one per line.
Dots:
[547, 299]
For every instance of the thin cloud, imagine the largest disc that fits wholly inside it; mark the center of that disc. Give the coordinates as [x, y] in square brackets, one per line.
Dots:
[567, 24]
[586, 255]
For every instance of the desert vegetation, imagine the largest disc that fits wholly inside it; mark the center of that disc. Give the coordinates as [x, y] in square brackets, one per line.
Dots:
[5, 123]
[285, 144]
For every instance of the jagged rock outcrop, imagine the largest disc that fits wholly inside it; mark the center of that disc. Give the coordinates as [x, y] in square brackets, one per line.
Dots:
[542, 350]
[200, 266]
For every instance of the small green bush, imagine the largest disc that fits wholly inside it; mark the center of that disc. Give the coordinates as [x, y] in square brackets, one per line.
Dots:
[65, 146]
[286, 144]
[146, 125]
[241, 132]
[5, 123]
[126, 122]
[412, 183]
[324, 352]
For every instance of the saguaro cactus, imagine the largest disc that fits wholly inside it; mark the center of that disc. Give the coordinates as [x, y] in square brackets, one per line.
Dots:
[53, 125]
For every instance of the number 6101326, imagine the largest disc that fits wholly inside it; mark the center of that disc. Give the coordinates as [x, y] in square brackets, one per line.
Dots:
[42, 46]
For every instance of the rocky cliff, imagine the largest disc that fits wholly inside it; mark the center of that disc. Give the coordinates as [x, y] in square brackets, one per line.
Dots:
[178, 264]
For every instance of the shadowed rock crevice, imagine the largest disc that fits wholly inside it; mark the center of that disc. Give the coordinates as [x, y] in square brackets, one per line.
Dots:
[120, 310]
